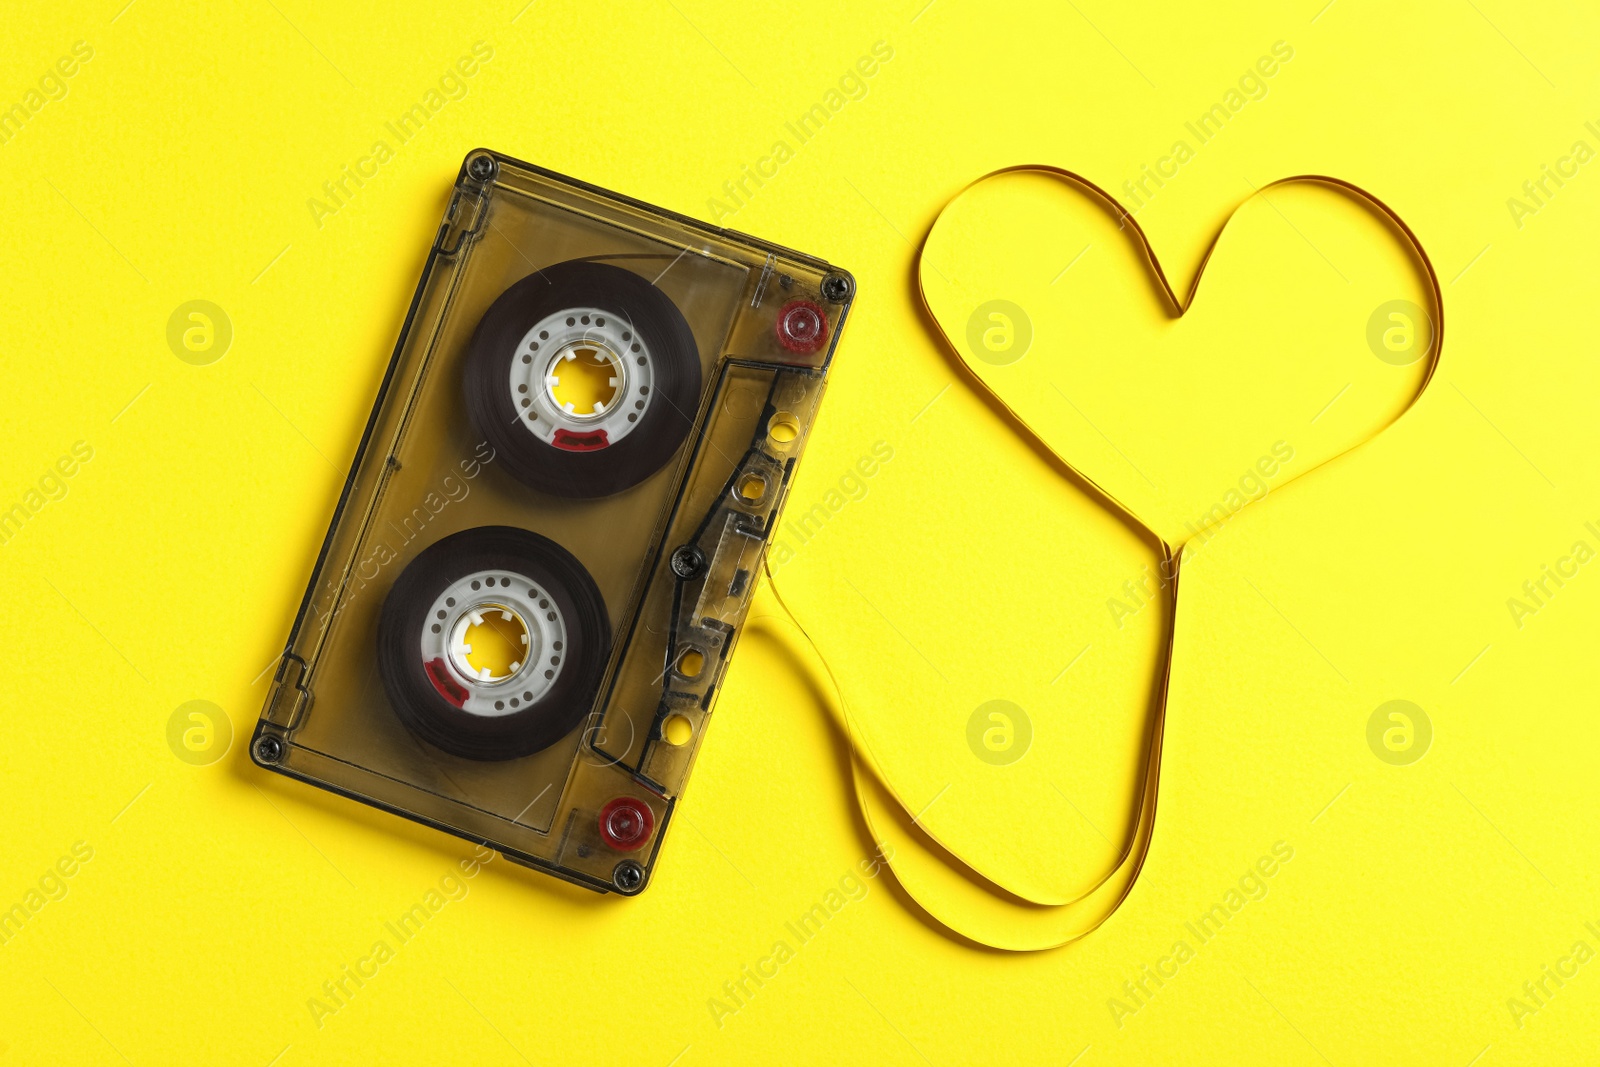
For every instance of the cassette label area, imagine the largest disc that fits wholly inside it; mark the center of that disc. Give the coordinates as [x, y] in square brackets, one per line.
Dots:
[549, 537]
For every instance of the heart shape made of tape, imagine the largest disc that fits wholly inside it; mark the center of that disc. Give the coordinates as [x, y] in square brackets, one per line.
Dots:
[1320, 323]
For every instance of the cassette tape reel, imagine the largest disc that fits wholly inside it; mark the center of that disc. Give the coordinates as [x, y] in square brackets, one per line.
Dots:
[548, 541]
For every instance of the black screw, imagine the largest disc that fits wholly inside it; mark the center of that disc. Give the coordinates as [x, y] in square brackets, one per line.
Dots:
[837, 288]
[688, 562]
[269, 749]
[628, 877]
[481, 168]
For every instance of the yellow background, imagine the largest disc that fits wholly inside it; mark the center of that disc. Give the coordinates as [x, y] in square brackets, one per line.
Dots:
[219, 899]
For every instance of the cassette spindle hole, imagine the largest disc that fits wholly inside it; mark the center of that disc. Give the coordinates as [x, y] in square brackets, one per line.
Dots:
[677, 730]
[586, 379]
[489, 643]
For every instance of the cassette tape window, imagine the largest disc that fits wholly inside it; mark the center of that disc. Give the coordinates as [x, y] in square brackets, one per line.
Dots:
[549, 535]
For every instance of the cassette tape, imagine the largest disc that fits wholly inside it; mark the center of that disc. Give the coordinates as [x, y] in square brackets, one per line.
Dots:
[548, 540]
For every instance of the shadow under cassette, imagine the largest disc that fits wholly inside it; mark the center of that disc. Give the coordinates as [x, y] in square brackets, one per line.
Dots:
[549, 538]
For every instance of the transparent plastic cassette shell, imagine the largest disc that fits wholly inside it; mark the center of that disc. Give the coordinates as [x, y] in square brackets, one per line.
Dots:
[675, 557]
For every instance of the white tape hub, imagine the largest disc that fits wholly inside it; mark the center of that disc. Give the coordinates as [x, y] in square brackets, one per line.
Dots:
[508, 607]
[552, 348]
